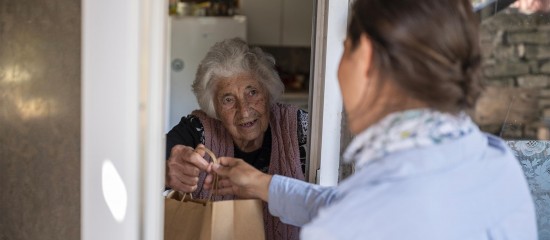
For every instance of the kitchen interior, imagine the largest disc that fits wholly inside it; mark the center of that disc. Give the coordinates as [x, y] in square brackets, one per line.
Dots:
[282, 28]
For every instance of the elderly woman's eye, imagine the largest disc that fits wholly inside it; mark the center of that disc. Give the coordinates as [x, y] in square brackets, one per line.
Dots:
[227, 100]
[253, 92]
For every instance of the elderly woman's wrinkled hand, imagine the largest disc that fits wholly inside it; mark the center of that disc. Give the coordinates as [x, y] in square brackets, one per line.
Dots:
[239, 178]
[531, 6]
[183, 167]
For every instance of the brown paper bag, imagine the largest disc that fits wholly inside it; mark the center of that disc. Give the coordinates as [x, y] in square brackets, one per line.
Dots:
[186, 218]
[207, 220]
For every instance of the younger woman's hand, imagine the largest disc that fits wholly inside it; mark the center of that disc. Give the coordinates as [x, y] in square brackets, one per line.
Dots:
[224, 185]
[239, 178]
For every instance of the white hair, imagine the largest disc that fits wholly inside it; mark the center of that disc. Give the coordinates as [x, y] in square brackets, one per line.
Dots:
[230, 58]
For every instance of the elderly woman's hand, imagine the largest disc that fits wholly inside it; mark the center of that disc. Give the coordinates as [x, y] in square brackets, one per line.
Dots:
[239, 178]
[531, 6]
[183, 167]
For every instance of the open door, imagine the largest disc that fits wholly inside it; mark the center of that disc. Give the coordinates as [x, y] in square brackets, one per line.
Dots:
[123, 77]
[325, 98]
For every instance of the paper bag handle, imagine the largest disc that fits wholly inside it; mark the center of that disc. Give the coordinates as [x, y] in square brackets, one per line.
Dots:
[171, 195]
[214, 185]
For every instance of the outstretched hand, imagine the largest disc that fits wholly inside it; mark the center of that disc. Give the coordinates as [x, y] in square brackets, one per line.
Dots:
[239, 178]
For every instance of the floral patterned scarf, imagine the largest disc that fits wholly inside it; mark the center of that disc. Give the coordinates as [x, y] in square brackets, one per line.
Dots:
[407, 130]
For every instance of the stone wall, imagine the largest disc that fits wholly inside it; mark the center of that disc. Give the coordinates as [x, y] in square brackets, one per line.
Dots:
[516, 72]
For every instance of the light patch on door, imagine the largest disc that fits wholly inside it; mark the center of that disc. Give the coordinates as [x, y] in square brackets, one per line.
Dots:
[114, 190]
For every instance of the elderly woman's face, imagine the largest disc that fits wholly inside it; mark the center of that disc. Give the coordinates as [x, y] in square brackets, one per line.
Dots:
[242, 105]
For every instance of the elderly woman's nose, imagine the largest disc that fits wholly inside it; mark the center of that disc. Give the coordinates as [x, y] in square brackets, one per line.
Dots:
[243, 107]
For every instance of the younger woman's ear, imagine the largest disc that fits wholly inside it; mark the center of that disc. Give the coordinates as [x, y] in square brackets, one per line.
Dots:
[364, 48]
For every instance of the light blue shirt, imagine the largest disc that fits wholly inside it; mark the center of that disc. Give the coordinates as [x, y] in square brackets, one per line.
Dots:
[470, 187]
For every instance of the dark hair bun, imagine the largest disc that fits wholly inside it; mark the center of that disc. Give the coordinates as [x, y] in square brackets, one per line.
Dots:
[430, 48]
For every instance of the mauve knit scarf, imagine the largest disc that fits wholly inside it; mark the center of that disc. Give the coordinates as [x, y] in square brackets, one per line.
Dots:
[285, 158]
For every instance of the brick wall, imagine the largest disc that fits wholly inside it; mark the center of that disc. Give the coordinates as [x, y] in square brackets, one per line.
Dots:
[516, 72]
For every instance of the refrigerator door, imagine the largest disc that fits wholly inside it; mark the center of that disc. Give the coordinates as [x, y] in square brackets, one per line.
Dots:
[191, 37]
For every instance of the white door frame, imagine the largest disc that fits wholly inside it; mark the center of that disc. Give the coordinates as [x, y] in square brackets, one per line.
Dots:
[124, 53]
[325, 98]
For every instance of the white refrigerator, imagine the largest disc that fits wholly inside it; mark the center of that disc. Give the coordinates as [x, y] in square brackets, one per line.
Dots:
[191, 37]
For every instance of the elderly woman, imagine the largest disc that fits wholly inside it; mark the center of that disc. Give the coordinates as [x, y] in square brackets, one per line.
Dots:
[237, 90]
[424, 170]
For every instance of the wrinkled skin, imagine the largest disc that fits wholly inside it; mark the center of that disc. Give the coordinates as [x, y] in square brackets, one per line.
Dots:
[531, 6]
[242, 105]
